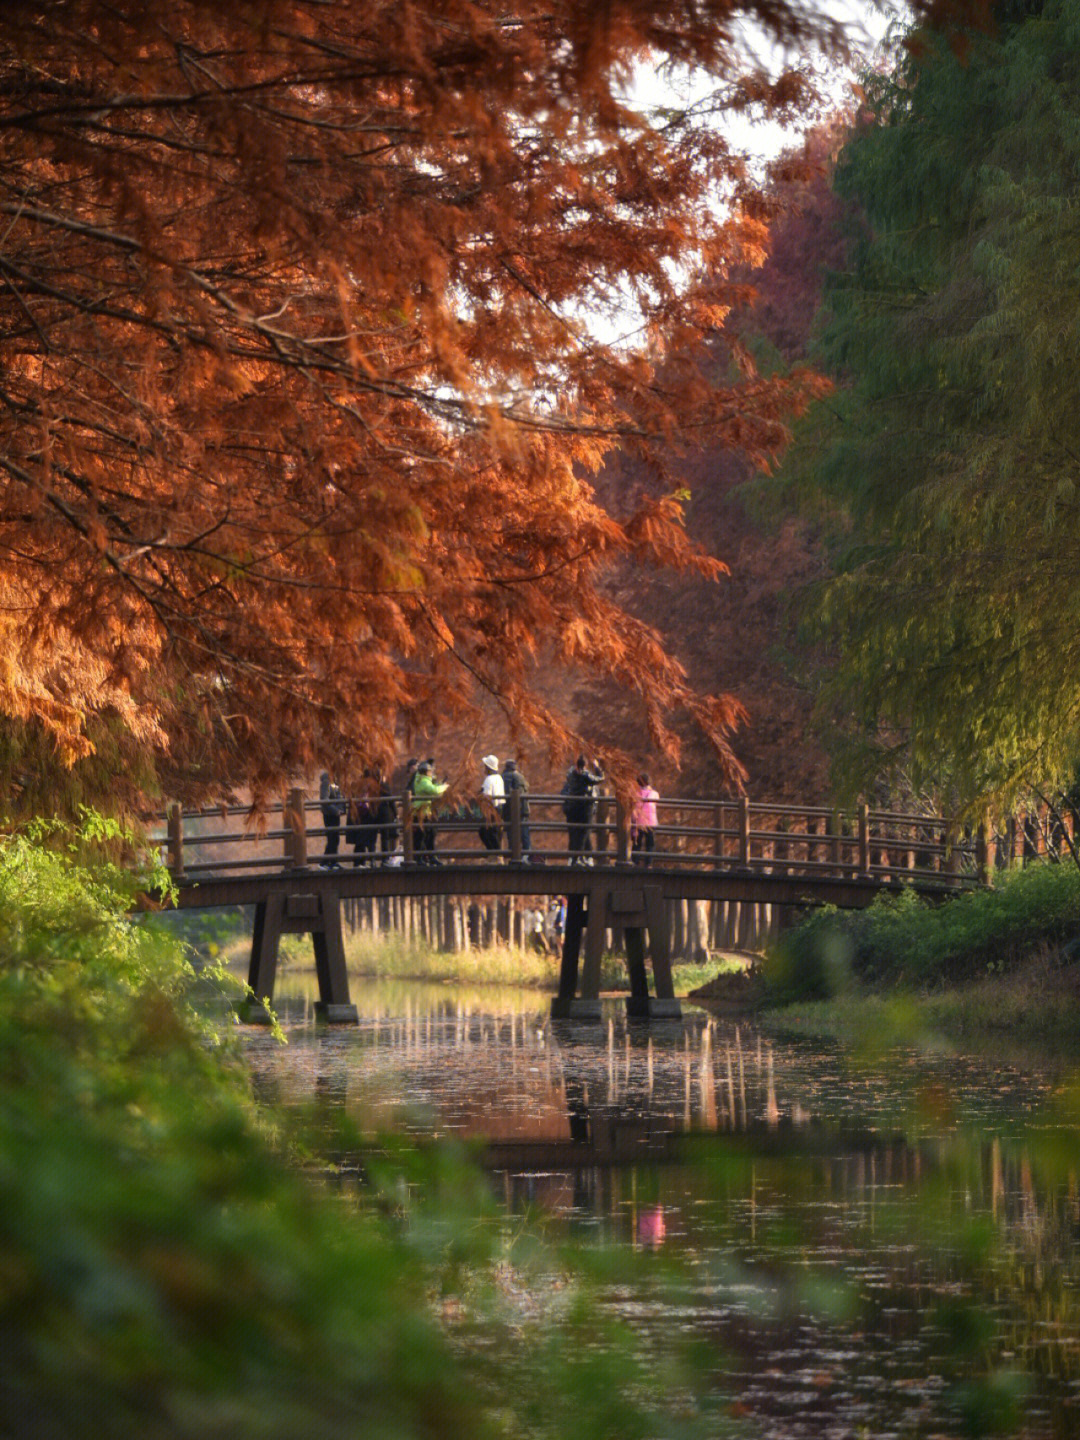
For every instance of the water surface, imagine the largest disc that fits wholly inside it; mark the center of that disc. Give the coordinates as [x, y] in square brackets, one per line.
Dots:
[877, 1246]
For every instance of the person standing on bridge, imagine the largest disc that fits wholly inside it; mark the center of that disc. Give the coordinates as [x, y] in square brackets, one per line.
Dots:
[514, 781]
[643, 821]
[425, 790]
[361, 831]
[578, 807]
[385, 815]
[333, 808]
[492, 800]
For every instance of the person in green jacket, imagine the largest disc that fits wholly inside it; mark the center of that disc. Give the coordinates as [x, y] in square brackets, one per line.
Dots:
[425, 790]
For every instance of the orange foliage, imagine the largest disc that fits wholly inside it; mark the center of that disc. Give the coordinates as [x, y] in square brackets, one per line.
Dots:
[299, 404]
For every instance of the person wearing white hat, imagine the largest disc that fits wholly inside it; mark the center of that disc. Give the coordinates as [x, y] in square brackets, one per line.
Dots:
[492, 801]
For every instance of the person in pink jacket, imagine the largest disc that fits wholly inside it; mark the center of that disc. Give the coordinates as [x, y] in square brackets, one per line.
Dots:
[643, 821]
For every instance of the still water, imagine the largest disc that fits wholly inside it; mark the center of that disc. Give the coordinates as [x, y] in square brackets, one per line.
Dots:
[878, 1245]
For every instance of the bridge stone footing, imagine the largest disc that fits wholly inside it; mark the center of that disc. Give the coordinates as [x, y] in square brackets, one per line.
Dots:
[638, 910]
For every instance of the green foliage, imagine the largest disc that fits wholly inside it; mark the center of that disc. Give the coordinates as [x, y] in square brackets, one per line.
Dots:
[950, 459]
[163, 1273]
[909, 941]
[167, 1270]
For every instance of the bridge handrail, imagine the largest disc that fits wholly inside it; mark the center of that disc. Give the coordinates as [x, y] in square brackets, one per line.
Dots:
[738, 835]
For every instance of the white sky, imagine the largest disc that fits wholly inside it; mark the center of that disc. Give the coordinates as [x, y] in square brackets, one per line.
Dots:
[867, 25]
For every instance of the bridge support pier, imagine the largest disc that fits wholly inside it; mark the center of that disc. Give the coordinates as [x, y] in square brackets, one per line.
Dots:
[319, 916]
[637, 909]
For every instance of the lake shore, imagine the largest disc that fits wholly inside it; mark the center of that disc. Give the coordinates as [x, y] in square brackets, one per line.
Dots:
[1035, 1002]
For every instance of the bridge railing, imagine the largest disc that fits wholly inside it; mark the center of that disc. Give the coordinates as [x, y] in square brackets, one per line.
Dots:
[693, 834]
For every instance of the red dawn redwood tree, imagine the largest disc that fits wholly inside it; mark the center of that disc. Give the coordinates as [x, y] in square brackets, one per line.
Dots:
[301, 387]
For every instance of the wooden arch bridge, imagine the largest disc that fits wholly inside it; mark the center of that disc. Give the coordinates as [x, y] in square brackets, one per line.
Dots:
[295, 875]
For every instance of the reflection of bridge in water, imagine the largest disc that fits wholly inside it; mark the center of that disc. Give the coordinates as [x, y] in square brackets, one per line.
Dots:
[559, 1116]
[751, 854]
[539, 1098]
[770, 1169]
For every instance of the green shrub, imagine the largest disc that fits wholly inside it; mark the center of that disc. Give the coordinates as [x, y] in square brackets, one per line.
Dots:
[902, 939]
[163, 1273]
[167, 1270]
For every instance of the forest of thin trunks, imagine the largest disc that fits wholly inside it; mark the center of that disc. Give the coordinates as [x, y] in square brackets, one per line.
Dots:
[452, 924]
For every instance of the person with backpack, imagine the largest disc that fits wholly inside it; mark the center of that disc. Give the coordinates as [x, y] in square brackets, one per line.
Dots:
[514, 781]
[333, 806]
[425, 791]
[361, 830]
[578, 802]
[385, 815]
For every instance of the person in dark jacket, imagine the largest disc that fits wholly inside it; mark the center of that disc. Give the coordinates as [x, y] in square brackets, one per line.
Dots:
[333, 809]
[514, 782]
[360, 829]
[385, 815]
[578, 807]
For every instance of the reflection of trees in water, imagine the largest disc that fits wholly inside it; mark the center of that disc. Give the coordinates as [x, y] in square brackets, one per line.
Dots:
[944, 1252]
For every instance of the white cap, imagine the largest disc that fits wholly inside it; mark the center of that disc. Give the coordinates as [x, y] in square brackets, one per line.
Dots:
[491, 761]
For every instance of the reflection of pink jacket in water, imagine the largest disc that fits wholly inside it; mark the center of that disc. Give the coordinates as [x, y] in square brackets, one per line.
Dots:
[643, 815]
[651, 1226]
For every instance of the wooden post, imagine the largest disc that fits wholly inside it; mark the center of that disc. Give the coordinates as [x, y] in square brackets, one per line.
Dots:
[833, 832]
[864, 838]
[744, 830]
[565, 1005]
[333, 1003]
[595, 932]
[265, 938]
[406, 827]
[296, 855]
[665, 1005]
[622, 832]
[718, 833]
[815, 825]
[513, 810]
[603, 807]
[952, 842]
[176, 841]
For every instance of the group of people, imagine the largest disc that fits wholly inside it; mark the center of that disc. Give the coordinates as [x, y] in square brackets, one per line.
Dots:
[368, 819]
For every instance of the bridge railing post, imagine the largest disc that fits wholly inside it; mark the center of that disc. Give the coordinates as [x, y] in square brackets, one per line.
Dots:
[952, 849]
[864, 838]
[744, 830]
[718, 834]
[833, 831]
[603, 809]
[296, 853]
[176, 841]
[622, 832]
[513, 812]
[407, 827]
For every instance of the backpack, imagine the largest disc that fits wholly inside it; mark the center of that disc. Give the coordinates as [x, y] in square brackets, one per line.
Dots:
[567, 792]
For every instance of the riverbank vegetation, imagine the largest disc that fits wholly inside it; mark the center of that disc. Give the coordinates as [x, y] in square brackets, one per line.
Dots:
[1002, 959]
[168, 1269]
